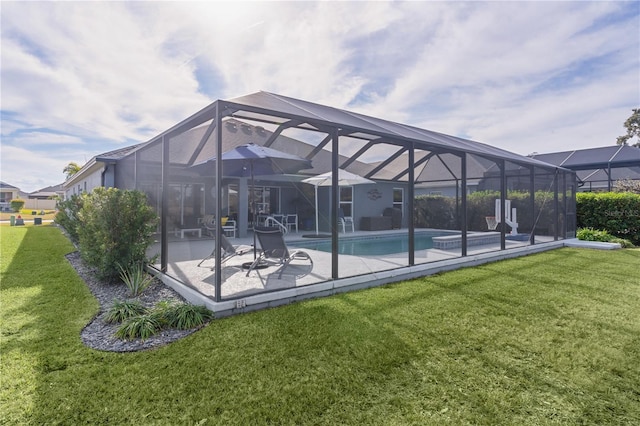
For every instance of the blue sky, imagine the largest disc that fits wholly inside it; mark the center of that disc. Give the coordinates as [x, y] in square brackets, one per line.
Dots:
[82, 78]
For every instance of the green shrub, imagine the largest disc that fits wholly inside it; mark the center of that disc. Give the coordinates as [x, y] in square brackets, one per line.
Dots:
[184, 316]
[123, 310]
[67, 215]
[115, 228]
[135, 278]
[623, 243]
[16, 204]
[146, 323]
[139, 327]
[616, 212]
[590, 234]
[162, 312]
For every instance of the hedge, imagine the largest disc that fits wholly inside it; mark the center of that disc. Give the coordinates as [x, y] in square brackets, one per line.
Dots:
[441, 212]
[615, 212]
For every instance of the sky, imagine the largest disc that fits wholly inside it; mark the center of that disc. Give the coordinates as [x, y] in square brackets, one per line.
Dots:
[82, 78]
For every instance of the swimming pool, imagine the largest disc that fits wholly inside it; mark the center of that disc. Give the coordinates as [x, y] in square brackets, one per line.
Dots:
[373, 246]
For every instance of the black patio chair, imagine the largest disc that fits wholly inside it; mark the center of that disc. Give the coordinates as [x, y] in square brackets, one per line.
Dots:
[228, 250]
[274, 250]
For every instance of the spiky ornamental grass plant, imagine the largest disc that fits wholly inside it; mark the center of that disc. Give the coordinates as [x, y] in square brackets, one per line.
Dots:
[140, 326]
[122, 310]
[141, 323]
[184, 316]
[135, 278]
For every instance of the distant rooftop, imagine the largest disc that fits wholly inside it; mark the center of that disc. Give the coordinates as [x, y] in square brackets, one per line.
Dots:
[615, 156]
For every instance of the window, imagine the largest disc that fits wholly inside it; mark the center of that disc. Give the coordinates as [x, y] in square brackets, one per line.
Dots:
[346, 200]
[398, 199]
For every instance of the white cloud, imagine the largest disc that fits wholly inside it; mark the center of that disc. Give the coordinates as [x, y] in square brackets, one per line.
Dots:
[524, 76]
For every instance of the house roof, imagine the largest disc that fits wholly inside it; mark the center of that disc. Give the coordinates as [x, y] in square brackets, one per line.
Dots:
[4, 185]
[592, 165]
[116, 154]
[52, 189]
[106, 157]
[594, 158]
[47, 192]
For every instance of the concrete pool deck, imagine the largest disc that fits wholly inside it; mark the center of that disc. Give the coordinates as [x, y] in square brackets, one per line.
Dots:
[300, 281]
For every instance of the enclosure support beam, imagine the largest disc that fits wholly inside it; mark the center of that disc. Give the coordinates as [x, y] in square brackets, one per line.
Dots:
[532, 205]
[410, 190]
[335, 194]
[164, 208]
[463, 197]
[203, 141]
[386, 162]
[556, 206]
[503, 198]
[318, 148]
[565, 205]
[355, 156]
[415, 164]
[218, 169]
[279, 130]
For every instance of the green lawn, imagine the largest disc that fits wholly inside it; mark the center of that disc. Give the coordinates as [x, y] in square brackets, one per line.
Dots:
[552, 338]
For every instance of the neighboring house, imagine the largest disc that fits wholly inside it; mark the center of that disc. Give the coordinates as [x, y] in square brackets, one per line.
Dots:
[8, 193]
[97, 172]
[598, 169]
[45, 198]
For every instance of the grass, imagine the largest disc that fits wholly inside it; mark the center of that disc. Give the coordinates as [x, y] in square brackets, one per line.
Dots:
[552, 338]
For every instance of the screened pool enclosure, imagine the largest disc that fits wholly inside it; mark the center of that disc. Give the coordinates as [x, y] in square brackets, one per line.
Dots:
[418, 197]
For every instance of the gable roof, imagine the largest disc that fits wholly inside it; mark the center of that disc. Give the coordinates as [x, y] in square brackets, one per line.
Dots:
[4, 185]
[106, 157]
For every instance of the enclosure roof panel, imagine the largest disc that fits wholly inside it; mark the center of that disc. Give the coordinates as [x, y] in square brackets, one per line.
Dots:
[274, 104]
[594, 158]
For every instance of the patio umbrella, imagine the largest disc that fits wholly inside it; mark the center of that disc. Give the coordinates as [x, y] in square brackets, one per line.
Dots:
[345, 178]
[255, 160]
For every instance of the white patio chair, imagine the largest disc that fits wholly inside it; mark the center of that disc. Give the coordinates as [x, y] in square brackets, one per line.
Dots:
[345, 221]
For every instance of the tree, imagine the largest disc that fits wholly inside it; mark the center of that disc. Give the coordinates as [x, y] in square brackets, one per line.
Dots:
[71, 169]
[633, 128]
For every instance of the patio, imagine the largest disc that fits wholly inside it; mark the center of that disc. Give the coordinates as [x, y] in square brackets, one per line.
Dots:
[183, 273]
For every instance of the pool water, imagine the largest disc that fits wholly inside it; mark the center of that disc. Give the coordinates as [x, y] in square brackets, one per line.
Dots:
[372, 246]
